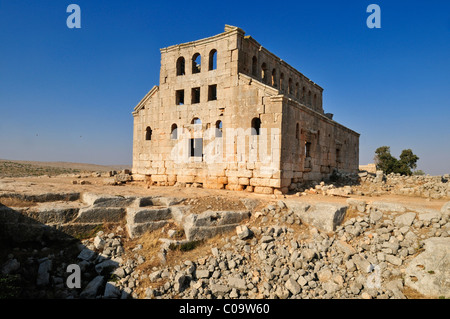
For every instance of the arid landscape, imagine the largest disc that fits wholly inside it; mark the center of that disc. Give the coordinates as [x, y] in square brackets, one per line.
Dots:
[14, 168]
[368, 239]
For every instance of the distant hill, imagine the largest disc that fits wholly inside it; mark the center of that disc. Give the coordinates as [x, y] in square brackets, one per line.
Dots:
[15, 168]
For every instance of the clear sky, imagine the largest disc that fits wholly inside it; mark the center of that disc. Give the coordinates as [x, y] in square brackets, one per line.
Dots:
[67, 94]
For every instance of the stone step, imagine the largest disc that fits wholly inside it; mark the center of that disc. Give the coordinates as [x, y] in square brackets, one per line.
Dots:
[143, 219]
[147, 214]
[45, 197]
[158, 201]
[138, 229]
[211, 223]
[105, 200]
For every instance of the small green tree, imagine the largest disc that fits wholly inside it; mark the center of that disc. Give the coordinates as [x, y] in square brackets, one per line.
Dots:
[408, 158]
[384, 160]
[389, 164]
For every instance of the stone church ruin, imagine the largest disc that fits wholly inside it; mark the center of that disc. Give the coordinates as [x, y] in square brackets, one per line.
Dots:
[229, 114]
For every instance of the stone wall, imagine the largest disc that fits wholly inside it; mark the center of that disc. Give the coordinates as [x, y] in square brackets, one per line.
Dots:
[243, 122]
[420, 186]
[259, 63]
[331, 146]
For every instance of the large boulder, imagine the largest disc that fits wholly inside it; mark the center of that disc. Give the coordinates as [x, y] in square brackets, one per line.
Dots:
[96, 214]
[445, 210]
[93, 288]
[324, 216]
[387, 207]
[211, 223]
[429, 272]
[405, 219]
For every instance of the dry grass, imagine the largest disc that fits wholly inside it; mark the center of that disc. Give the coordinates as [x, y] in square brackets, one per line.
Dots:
[351, 213]
[151, 246]
[20, 169]
[411, 293]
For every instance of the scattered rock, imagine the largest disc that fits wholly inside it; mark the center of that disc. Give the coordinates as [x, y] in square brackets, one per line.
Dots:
[293, 286]
[243, 232]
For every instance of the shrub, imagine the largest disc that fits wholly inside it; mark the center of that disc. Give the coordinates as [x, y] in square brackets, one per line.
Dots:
[389, 164]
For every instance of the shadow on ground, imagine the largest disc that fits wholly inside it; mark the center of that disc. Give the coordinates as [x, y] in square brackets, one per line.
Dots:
[34, 260]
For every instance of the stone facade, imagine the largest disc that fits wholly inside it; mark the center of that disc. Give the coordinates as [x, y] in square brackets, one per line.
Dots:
[229, 114]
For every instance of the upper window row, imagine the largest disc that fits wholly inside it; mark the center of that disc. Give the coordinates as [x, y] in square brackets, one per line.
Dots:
[278, 81]
[196, 63]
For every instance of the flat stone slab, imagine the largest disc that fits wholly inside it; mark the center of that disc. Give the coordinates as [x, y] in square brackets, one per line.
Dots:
[44, 197]
[429, 272]
[216, 218]
[138, 229]
[210, 223]
[102, 200]
[324, 216]
[144, 214]
[54, 213]
[158, 201]
[388, 207]
[100, 214]
[203, 232]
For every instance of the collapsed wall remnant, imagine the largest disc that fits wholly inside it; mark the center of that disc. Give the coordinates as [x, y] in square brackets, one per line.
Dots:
[229, 114]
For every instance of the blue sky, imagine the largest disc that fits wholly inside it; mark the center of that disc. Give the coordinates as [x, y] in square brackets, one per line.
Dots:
[67, 94]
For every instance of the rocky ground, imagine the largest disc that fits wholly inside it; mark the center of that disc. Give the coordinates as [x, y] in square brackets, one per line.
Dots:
[386, 247]
[273, 256]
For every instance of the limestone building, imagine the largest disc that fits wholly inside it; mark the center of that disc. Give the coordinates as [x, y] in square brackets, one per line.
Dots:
[230, 114]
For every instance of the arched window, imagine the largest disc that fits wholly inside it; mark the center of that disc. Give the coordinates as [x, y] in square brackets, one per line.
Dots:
[304, 95]
[264, 72]
[173, 132]
[315, 101]
[196, 120]
[148, 134]
[290, 91]
[282, 82]
[212, 60]
[297, 91]
[274, 78]
[196, 63]
[254, 66]
[219, 129]
[256, 126]
[309, 98]
[180, 66]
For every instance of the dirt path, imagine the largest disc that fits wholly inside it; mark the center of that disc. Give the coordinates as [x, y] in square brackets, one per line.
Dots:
[204, 197]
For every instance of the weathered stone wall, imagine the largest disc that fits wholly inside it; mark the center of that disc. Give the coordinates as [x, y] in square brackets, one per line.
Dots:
[332, 146]
[420, 186]
[232, 155]
[257, 62]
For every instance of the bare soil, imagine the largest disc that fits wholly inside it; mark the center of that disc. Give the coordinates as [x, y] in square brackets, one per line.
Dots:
[198, 198]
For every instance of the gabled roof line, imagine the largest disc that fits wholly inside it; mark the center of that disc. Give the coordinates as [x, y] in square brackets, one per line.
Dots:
[144, 100]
